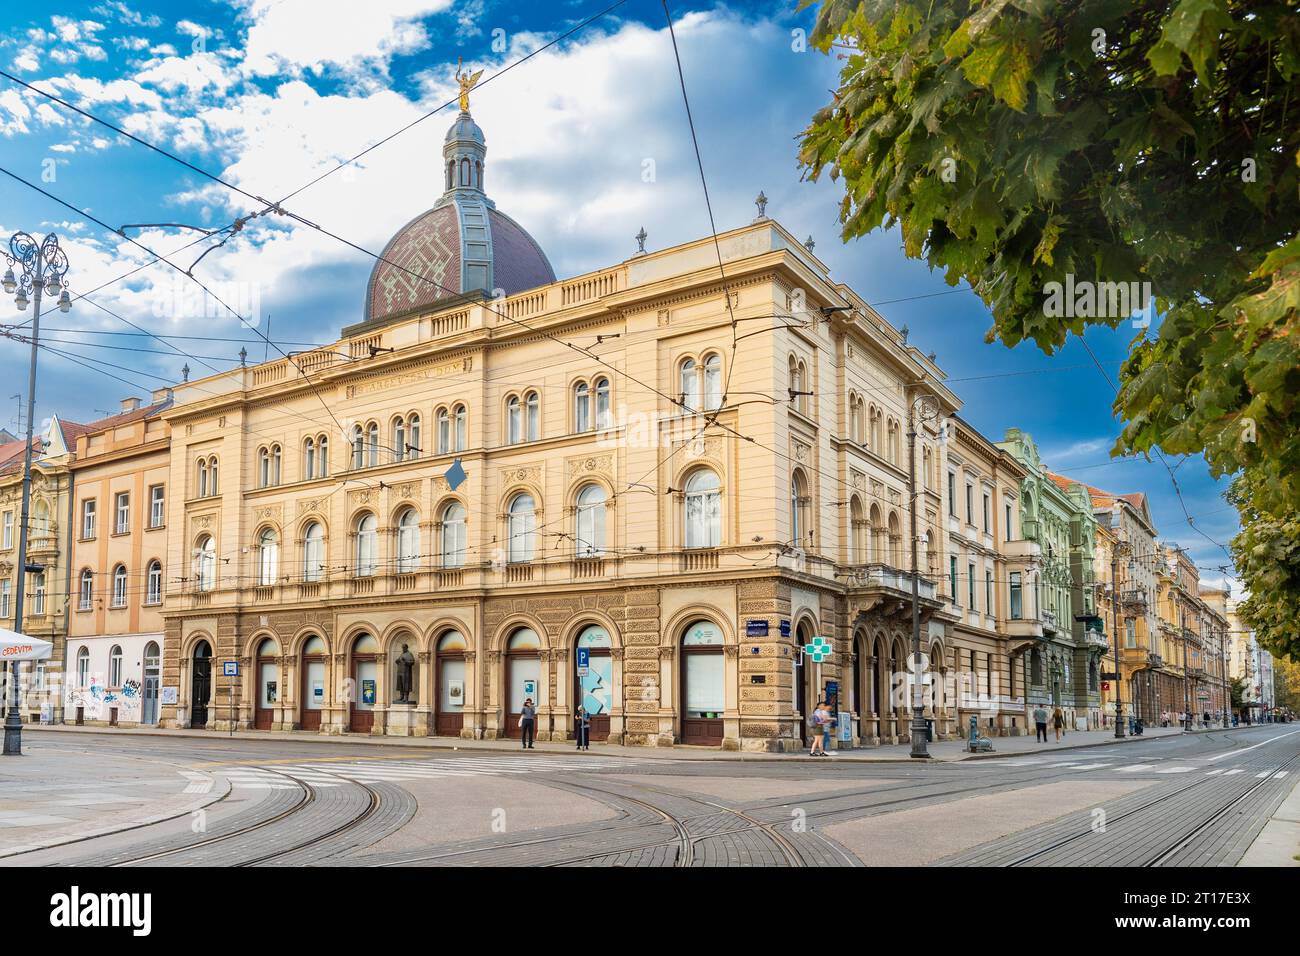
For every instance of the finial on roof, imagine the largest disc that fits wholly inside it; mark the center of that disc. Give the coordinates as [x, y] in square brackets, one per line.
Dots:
[933, 356]
[808, 243]
[903, 332]
[185, 372]
[243, 358]
[467, 82]
[640, 238]
[761, 202]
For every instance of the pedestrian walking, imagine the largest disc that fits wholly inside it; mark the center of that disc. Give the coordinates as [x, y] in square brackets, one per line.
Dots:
[1164, 718]
[828, 724]
[1058, 722]
[582, 721]
[527, 723]
[1040, 723]
[819, 717]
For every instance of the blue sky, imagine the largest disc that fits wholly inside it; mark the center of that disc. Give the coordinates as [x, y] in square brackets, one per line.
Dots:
[269, 93]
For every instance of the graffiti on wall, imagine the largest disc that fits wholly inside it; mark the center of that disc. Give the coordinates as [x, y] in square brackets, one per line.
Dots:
[96, 700]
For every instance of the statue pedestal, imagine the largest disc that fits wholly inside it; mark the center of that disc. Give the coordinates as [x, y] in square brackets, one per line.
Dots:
[407, 720]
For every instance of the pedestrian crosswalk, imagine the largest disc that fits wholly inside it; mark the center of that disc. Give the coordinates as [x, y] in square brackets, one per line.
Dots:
[1071, 766]
[325, 774]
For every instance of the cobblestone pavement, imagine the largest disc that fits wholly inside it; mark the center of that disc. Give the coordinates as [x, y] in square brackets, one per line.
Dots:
[1185, 800]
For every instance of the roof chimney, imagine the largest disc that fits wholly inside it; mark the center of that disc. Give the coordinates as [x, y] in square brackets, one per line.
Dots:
[130, 404]
[161, 395]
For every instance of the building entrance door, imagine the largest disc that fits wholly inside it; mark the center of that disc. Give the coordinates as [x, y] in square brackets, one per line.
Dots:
[200, 685]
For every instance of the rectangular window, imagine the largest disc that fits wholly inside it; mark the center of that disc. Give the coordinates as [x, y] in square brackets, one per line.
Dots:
[987, 502]
[952, 494]
[38, 597]
[1130, 633]
[6, 595]
[122, 506]
[988, 592]
[88, 518]
[8, 541]
[970, 586]
[1016, 599]
[952, 579]
[1008, 529]
[970, 504]
[157, 506]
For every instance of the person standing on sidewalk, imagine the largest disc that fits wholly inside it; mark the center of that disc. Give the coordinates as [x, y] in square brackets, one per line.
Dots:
[819, 717]
[1058, 722]
[527, 723]
[582, 719]
[1040, 723]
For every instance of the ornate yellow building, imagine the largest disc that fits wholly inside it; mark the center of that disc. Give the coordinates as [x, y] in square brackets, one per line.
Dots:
[645, 490]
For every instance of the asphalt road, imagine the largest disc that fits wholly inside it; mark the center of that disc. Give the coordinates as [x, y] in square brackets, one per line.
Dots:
[1189, 800]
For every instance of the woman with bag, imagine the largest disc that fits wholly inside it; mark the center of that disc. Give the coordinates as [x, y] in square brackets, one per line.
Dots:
[819, 718]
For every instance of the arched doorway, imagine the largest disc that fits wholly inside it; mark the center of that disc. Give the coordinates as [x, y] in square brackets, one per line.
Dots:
[803, 676]
[450, 718]
[312, 694]
[523, 676]
[594, 689]
[365, 684]
[268, 683]
[200, 684]
[152, 680]
[703, 679]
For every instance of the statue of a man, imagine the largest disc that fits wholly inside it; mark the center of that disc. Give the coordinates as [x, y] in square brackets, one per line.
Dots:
[405, 663]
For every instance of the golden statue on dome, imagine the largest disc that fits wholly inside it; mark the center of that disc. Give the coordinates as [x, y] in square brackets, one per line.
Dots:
[467, 82]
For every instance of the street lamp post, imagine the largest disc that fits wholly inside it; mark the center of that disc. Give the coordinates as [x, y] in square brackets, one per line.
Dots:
[1114, 588]
[929, 409]
[43, 266]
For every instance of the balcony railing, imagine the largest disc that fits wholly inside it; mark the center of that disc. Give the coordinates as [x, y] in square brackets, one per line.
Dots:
[1135, 598]
[882, 576]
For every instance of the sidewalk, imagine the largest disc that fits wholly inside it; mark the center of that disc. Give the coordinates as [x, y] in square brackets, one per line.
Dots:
[49, 797]
[1278, 844]
[940, 750]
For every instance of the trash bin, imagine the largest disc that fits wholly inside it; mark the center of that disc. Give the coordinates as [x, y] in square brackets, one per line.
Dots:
[929, 730]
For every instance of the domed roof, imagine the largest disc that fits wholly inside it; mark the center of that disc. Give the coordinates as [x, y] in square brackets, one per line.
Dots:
[463, 246]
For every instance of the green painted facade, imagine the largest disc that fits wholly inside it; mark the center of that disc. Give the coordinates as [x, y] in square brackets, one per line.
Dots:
[1064, 669]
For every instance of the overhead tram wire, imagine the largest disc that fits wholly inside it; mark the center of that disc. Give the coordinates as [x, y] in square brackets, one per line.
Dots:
[1178, 492]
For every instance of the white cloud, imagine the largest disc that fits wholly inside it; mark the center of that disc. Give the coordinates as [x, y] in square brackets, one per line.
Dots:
[27, 60]
[297, 35]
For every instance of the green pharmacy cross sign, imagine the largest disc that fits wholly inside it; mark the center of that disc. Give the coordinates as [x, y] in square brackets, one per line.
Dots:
[818, 650]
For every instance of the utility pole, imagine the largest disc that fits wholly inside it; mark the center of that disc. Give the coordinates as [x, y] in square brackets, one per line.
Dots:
[1114, 596]
[43, 267]
[929, 409]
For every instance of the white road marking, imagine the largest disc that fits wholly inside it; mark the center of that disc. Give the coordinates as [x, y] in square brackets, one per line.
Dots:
[1279, 775]
[1213, 773]
[1135, 767]
[1176, 770]
[1261, 776]
[1231, 772]
[1242, 750]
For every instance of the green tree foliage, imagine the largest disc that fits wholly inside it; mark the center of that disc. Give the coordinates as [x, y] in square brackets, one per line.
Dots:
[1015, 142]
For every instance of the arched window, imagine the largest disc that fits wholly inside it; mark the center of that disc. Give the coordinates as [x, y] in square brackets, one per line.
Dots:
[367, 545]
[205, 563]
[581, 407]
[358, 447]
[853, 416]
[857, 533]
[313, 552]
[268, 557]
[799, 527]
[119, 586]
[213, 484]
[703, 510]
[408, 541]
[453, 535]
[802, 400]
[534, 413]
[462, 422]
[603, 419]
[399, 439]
[41, 519]
[323, 457]
[277, 455]
[115, 666]
[83, 667]
[86, 590]
[153, 587]
[591, 521]
[372, 440]
[203, 478]
[713, 382]
[689, 384]
[444, 432]
[309, 459]
[263, 467]
[523, 527]
[514, 420]
[413, 446]
[895, 542]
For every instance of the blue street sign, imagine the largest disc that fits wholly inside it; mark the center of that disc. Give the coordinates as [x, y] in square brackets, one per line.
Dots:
[785, 628]
[230, 668]
[756, 628]
[584, 661]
